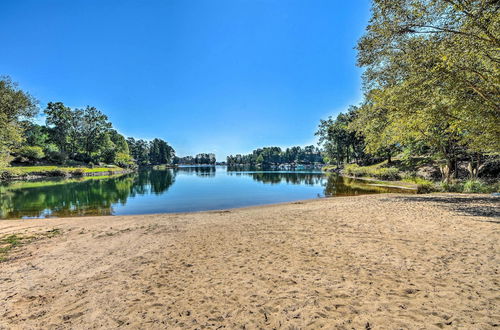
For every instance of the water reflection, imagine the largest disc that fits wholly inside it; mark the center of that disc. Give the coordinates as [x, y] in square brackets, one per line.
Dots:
[284, 177]
[150, 191]
[203, 171]
[337, 185]
[79, 197]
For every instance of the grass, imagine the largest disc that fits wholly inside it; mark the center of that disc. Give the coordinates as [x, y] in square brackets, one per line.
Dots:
[53, 182]
[471, 187]
[377, 171]
[9, 242]
[36, 169]
[53, 170]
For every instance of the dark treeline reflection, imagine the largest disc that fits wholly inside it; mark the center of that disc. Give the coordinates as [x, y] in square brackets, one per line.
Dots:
[206, 171]
[88, 196]
[337, 185]
[284, 177]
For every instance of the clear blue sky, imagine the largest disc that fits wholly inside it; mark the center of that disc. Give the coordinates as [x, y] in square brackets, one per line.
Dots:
[223, 76]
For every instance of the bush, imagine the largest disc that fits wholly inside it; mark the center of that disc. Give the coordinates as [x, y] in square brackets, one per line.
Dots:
[54, 155]
[123, 160]
[31, 153]
[384, 173]
[475, 186]
[352, 169]
[452, 187]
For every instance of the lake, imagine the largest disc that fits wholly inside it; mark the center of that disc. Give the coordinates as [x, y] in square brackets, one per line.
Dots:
[185, 189]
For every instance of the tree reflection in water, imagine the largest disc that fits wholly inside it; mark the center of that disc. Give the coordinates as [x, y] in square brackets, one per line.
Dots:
[79, 197]
[102, 196]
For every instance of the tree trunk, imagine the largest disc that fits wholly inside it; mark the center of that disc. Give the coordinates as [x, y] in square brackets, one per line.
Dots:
[448, 170]
[474, 167]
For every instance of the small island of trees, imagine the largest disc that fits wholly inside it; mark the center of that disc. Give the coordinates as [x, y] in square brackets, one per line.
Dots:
[269, 157]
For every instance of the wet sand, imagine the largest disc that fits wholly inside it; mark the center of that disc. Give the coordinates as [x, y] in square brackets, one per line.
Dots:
[367, 262]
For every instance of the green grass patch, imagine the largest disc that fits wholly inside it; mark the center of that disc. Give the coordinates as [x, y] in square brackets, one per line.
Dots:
[10, 242]
[53, 171]
[15, 185]
[38, 169]
[374, 171]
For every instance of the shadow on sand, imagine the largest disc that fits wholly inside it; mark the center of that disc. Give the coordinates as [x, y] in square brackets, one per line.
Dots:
[478, 206]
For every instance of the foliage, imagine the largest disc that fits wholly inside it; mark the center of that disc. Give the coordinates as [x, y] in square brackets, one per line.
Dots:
[475, 186]
[470, 186]
[15, 107]
[432, 74]
[156, 152]
[160, 152]
[375, 171]
[22, 171]
[69, 136]
[341, 144]
[199, 159]
[31, 153]
[275, 155]
[431, 85]
[124, 159]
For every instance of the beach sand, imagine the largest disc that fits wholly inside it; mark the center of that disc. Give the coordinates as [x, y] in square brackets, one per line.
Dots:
[367, 262]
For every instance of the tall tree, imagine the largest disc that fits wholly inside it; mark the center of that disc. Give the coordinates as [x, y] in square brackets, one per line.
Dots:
[15, 106]
[432, 66]
[94, 129]
[340, 142]
[60, 119]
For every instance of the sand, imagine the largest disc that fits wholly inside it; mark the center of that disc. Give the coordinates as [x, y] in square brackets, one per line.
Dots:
[367, 262]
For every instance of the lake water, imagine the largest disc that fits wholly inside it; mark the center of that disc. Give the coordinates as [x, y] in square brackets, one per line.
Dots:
[181, 190]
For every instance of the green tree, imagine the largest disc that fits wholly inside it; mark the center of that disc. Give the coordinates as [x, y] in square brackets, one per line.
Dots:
[60, 119]
[15, 106]
[35, 135]
[341, 144]
[432, 67]
[94, 129]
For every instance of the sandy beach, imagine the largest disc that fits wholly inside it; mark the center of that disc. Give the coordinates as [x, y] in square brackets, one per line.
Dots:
[367, 262]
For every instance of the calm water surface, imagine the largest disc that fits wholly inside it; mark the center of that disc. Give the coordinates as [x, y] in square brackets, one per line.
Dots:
[180, 190]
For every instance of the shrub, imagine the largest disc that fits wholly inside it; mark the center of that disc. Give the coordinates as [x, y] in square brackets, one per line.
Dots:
[54, 155]
[475, 186]
[352, 169]
[32, 153]
[123, 160]
[384, 173]
[452, 187]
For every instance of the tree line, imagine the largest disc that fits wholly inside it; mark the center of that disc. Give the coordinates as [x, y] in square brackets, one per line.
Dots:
[81, 136]
[199, 159]
[276, 156]
[431, 86]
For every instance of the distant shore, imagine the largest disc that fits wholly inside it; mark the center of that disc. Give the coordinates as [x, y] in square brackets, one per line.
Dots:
[374, 261]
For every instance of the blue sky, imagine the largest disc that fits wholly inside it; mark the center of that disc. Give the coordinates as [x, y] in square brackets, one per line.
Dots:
[223, 76]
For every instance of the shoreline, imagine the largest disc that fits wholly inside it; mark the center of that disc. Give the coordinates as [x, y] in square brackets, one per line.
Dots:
[10, 175]
[388, 260]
